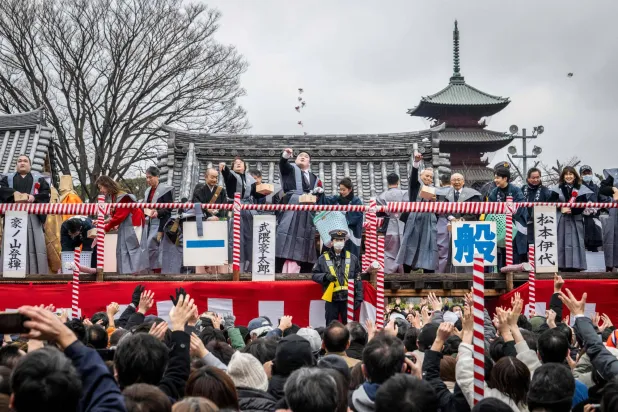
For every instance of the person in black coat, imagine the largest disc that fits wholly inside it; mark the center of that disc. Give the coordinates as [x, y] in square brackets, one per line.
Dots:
[593, 233]
[74, 233]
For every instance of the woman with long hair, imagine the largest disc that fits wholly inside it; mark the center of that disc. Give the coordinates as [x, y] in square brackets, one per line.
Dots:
[131, 257]
[570, 221]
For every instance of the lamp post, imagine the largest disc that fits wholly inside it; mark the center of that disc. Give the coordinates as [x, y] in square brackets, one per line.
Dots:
[536, 150]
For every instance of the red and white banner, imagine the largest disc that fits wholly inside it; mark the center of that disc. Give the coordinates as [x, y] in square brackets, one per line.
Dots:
[601, 295]
[246, 300]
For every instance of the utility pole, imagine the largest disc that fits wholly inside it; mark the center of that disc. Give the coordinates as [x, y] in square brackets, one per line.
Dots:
[536, 150]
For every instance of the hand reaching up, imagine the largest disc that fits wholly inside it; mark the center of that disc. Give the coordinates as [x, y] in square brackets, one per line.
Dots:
[182, 312]
[145, 302]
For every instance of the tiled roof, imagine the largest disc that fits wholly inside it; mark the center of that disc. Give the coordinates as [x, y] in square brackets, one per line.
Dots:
[24, 133]
[475, 173]
[460, 93]
[473, 136]
[366, 159]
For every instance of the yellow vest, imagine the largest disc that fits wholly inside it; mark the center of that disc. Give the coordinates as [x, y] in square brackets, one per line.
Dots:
[336, 286]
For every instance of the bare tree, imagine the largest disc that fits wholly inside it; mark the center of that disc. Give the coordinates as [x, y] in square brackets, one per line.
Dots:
[110, 73]
[551, 173]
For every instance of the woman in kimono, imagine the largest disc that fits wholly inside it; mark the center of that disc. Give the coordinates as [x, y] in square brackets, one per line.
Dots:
[419, 245]
[570, 221]
[354, 219]
[130, 257]
[238, 181]
[609, 193]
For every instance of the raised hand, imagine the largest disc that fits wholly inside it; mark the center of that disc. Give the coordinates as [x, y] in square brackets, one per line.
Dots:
[558, 283]
[158, 331]
[112, 309]
[197, 347]
[146, 301]
[45, 325]
[551, 319]
[221, 166]
[371, 329]
[445, 331]
[179, 292]
[285, 323]
[606, 323]
[425, 315]
[576, 307]
[435, 302]
[182, 312]
[391, 328]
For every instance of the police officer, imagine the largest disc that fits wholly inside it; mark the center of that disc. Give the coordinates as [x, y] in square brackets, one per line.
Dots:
[333, 270]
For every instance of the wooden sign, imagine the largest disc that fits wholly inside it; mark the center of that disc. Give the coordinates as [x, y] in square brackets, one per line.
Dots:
[263, 260]
[545, 239]
[15, 248]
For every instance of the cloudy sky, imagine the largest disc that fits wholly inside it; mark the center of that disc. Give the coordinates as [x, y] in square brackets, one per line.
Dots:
[364, 63]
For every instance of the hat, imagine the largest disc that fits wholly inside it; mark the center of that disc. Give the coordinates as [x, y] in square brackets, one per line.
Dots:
[259, 326]
[537, 322]
[338, 234]
[502, 165]
[585, 168]
[247, 372]
[337, 363]
[449, 317]
[313, 337]
[293, 352]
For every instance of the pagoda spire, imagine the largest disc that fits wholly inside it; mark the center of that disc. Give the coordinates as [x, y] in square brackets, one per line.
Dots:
[457, 77]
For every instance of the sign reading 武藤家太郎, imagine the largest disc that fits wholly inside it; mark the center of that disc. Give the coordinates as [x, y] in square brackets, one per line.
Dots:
[263, 259]
[15, 247]
[545, 239]
[470, 238]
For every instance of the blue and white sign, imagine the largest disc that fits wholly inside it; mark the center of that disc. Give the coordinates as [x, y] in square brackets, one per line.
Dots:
[207, 250]
[469, 238]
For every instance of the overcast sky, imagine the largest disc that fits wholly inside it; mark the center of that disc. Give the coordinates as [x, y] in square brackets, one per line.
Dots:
[364, 63]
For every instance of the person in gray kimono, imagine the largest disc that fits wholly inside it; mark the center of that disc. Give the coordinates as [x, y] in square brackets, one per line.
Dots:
[570, 221]
[419, 246]
[238, 181]
[25, 181]
[609, 193]
[458, 193]
[393, 226]
[130, 257]
[152, 235]
[295, 239]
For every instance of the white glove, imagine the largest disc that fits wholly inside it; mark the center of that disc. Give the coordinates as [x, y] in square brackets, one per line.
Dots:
[317, 190]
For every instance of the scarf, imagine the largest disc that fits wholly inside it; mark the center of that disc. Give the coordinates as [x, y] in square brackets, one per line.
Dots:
[346, 200]
[537, 192]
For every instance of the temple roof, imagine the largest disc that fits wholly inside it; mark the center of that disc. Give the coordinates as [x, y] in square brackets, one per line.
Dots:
[24, 133]
[366, 158]
[458, 95]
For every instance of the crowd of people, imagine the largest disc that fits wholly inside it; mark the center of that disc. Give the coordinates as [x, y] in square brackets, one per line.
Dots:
[413, 241]
[423, 360]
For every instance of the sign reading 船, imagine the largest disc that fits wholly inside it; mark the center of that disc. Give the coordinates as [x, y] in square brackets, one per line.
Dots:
[470, 238]
[15, 248]
[263, 259]
[545, 239]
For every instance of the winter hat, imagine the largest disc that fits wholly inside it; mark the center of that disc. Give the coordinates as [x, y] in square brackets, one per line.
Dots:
[293, 352]
[313, 337]
[450, 317]
[260, 326]
[247, 372]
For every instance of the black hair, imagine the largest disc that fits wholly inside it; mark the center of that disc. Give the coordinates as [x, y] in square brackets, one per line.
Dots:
[403, 327]
[97, 337]
[524, 323]
[255, 172]
[209, 333]
[343, 384]
[347, 182]
[221, 350]
[427, 336]
[445, 179]
[511, 377]
[5, 381]
[496, 349]
[45, 377]
[406, 393]
[531, 339]
[100, 316]
[552, 388]
[358, 334]
[78, 328]
[383, 357]
[451, 345]
[262, 349]
[503, 172]
[491, 405]
[116, 336]
[607, 332]
[292, 330]
[553, 346]
[392, 178]
[534, 170]
[142, 397]
[336, 337]
[140, 358]
[409, 340]
[565, 330]
[153, 171]
[73, 225]
[10, 355]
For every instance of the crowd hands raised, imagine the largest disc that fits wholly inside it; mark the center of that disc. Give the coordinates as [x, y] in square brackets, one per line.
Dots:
[423, 360]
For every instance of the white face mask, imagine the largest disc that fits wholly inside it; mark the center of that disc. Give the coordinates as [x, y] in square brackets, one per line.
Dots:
[338, 244]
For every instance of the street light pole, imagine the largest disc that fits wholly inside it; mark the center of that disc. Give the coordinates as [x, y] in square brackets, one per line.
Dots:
[536, 150]
[525, 155]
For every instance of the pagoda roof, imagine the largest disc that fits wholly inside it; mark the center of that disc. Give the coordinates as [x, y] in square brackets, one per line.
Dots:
[458, 94]
[487, 140]
[24, 133]
[366, 158]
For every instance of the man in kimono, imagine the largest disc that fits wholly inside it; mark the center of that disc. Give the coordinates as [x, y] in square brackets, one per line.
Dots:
[609, 193]
[152, 235]
[392, 224]
[24, 181]
[458, 193]
[295, 244]
[333, 270]
[504, 188]
[419, 245]
[204, 192]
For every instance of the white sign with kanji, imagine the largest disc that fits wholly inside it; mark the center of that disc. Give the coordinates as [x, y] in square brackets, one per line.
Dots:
[263, 260]
[545, 239]
[15, 248]
[470, 238]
